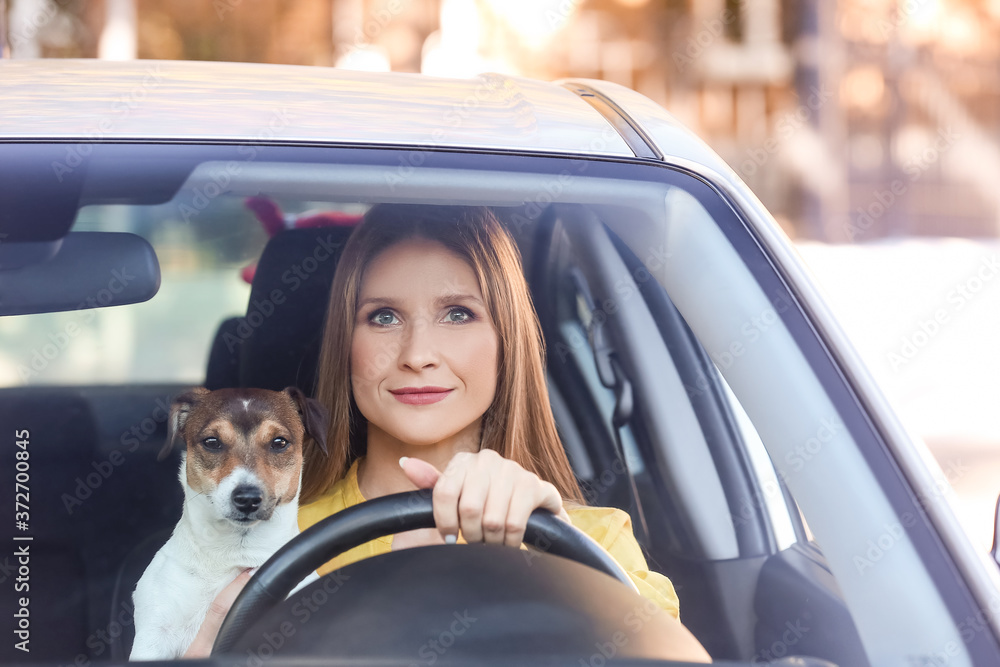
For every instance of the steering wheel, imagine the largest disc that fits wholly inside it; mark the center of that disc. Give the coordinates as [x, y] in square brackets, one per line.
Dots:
[376, 518]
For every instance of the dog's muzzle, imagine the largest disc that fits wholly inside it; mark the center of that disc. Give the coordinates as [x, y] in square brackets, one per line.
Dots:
[247, 500]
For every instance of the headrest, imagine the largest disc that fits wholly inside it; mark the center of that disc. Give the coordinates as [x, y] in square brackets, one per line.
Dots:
[279, 339]
[224, 357]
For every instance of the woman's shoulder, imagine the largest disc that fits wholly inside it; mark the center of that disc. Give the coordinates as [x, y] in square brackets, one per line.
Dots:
[342, 494]
[612, 529]
[604, 524]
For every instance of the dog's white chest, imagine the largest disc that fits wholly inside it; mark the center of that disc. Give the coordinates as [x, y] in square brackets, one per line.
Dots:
[175, 592]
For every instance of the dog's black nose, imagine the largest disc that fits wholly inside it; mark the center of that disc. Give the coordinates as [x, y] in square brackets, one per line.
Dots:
[246, 498]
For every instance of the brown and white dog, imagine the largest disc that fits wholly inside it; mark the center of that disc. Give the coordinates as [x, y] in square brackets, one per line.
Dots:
[241, 474]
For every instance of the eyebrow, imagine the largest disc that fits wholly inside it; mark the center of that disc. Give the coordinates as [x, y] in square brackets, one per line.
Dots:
[451, 297]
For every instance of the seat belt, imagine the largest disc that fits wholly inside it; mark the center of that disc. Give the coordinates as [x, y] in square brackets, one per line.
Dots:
[613, 376]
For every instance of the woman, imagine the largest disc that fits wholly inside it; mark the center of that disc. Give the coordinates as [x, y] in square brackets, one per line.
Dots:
[432, 367]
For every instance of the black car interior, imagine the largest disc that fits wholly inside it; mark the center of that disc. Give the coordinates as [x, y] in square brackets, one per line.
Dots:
[104, 505]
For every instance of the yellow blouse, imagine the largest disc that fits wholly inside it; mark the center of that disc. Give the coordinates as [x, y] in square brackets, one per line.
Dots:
[610, 527]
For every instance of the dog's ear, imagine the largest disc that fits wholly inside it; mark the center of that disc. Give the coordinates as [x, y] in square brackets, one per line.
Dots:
[179, 411]
[315, 417]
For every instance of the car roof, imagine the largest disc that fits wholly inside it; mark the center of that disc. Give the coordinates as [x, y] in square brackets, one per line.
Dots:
[178, 100]
[66, 99]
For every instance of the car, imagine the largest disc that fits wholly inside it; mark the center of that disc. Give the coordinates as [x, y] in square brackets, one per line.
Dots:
[697, 378]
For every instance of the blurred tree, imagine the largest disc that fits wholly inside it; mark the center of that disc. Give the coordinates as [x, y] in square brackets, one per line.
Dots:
[295, 33]
[49, 29]
[4, 47]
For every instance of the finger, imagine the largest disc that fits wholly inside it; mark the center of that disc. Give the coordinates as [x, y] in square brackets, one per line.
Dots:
[420, 472]
[497, 508]
[475, 489]
[447, 491]
[528, 496]
[551, 500]
[523, 500]
[227, 596]
[201, 647]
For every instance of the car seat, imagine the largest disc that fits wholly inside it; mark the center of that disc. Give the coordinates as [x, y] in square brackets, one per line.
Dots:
[276, 345]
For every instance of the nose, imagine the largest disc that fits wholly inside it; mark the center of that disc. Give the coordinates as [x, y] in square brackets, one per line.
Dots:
[417, 348]
[246, 498]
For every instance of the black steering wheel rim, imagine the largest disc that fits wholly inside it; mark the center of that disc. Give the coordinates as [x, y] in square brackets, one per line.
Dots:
[376, 518]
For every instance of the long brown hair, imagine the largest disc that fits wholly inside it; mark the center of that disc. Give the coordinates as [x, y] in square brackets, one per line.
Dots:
[518, 424]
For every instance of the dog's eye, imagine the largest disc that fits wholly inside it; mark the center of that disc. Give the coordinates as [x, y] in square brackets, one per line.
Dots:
[211, 444]
[279, 444]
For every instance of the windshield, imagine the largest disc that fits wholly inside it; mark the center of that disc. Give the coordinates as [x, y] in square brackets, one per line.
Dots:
[765, 495]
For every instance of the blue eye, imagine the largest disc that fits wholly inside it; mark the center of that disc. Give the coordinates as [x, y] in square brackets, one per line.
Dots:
[459, 316]
[383, 318]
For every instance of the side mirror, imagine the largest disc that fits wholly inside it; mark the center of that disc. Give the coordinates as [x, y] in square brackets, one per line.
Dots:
[80, 270]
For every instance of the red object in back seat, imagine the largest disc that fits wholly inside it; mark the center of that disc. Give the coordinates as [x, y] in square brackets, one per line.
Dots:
[274, 222]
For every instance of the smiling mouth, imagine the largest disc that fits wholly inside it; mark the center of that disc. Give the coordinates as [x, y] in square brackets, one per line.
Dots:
[420, 395]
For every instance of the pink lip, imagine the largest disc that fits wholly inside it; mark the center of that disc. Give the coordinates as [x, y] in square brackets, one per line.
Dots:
[420, 395]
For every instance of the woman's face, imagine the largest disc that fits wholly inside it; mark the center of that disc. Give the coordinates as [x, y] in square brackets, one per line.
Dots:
[424, 352]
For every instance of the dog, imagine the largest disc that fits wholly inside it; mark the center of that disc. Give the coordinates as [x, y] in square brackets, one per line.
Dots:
[241, 472]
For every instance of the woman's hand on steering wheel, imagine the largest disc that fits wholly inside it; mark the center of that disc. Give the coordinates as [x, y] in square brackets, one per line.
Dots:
[487, 497]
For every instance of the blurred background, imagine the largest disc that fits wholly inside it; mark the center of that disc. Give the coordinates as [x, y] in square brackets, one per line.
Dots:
[870, 129]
